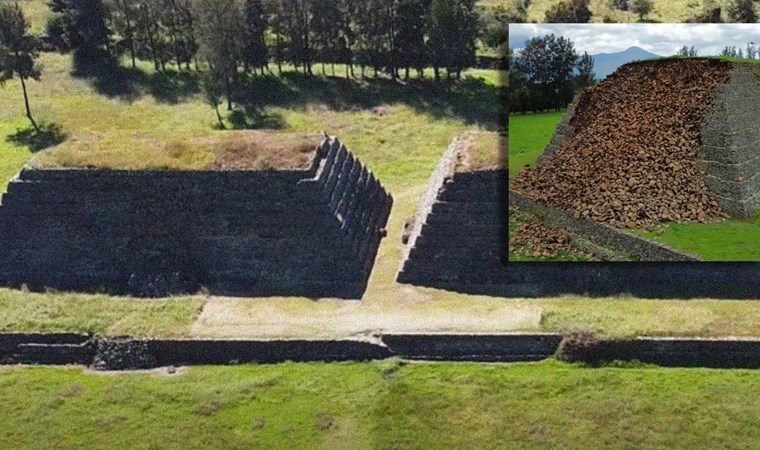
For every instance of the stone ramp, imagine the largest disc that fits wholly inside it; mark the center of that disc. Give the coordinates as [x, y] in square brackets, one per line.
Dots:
[312, 232]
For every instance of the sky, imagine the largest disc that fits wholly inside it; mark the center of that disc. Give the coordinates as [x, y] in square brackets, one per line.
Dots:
[663, 39]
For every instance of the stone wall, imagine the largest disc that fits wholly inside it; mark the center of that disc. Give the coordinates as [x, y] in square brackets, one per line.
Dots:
[635, 247]
[564, 130]
[126, 353]
[308, 232]
[459, 232]
[730, 150]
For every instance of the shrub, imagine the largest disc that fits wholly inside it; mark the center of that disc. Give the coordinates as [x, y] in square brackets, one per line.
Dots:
[579, 346]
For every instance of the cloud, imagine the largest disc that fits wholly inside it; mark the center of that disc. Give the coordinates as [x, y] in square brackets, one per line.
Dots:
[662, 39]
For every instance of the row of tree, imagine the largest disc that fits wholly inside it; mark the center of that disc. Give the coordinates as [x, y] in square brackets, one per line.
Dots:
[384, 35]
[750, 52]
[547, 73]
[578, 11]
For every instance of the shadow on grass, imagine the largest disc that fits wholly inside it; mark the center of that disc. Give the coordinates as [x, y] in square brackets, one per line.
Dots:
[471, 99]
[50, 134]
[109, 78]
[252, 118]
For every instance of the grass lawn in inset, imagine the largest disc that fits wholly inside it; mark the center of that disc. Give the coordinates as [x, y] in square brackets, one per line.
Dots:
[529, 134]
[381, 405]
[731, 240]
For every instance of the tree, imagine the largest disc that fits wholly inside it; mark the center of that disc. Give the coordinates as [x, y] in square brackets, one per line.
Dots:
[751, 50]
[452, 26]
[324, 24]
[586, 76]
[84, 22]
[410, 36]
[569, 11]
[213, 91]
[123, 19]
[298, 18]
[641, 7]
[742, 11]
[219, 28]
[18, 51]
[710, 13]
[729, 51]
[619, 4]
[150, 36]
[547, 64]
[688, 52]
[493, 25]
[254, 35]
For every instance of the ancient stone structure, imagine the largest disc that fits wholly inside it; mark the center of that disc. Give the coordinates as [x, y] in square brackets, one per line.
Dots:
[605, 242]
[312, 232]
[728, 136]
[458, 237]
[730, 150]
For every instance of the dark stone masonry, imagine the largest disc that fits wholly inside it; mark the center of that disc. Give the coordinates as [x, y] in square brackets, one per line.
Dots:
[311, 232]
[459, 233]
[730, 150]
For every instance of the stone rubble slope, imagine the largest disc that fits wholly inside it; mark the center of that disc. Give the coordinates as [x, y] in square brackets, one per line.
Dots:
[632, 160]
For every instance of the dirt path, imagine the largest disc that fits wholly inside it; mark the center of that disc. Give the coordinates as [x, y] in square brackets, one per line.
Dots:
[387, 306]
[301, 318]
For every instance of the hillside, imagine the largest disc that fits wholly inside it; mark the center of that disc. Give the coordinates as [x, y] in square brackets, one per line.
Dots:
[606, 63]
[664, 11]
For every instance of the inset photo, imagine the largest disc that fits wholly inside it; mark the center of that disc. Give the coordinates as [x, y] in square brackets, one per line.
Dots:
[634, 142]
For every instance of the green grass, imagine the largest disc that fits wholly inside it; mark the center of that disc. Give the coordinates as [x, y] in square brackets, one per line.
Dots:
[665, 11]
[156, 114]
[616, 317]
[36, 12]
[529, 134]
[12, 156]
[628, 317]
[712, 240]
[382, 405]
[30, 312]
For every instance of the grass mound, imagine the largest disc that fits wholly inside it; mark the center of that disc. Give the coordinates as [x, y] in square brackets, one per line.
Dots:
[480, 151]
[224, 150]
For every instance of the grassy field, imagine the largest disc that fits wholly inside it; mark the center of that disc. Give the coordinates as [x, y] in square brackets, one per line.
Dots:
[296, 318]
[731, 240]
[161, 117]
[51, 313]
[666, 11]
[741, 236]
[529, 134]
[382, 405]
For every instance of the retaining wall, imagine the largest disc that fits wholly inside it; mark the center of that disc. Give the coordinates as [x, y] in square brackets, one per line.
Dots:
[564, 130]
[308, 232]
[637, 248]
[730, 152]
[130, 353]
[459, 233]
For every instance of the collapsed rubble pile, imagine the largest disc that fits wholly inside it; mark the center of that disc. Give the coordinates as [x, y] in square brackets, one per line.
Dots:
[632, 160]
[537, 240]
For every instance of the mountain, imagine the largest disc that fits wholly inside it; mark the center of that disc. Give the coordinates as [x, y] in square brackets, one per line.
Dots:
[606, 63]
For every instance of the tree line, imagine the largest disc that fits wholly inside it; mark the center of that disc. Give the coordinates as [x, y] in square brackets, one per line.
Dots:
[547, 73]
[578, 11]
[390, 36]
